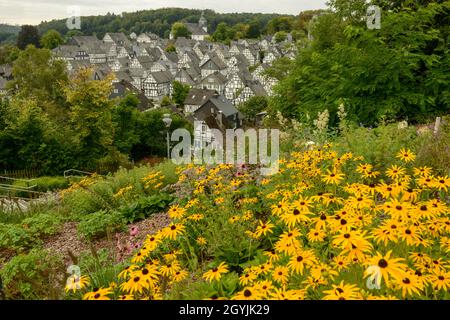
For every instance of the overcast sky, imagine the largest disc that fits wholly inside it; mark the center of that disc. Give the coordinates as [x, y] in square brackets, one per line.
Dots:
[35, 11]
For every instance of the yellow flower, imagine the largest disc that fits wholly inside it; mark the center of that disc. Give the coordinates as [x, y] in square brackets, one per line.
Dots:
[173, 231]
[406, 155]
[201, 241]
[263, 228]
[75, 282]
[332, 177]
[98, 294]
[216, 273]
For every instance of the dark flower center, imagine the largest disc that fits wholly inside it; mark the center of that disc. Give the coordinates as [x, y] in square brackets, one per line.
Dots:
[247, 293]
[382, 263]
[406, 281]
[299, 258]
[173, 227]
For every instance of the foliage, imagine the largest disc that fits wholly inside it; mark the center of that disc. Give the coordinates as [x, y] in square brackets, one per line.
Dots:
[28, 35]
[179, 29]
[395, 72]
[99, 224]
[280, 36]
[36, 275]
[44, 224]
[180, 92]
[252, 107]
[51, 39]
[90, 116]
[144, 207]
[14, 237]
[8, 54]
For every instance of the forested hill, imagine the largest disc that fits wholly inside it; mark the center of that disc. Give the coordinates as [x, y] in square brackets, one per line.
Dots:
[157, 21]
[8, 33]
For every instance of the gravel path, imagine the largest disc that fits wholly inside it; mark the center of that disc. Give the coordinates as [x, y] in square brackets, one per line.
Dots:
[67, 242]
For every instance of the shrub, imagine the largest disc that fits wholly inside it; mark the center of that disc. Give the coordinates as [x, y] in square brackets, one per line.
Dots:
[144, 207]
[435, 150]
[99, 224]
[42, 224]
[36, 275]
[14, 237]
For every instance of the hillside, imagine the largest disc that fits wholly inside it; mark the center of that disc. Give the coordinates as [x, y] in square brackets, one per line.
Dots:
[8, 32]
[157, 21]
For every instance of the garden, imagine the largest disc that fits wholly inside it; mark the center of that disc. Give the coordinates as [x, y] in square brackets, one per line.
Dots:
[363, 214]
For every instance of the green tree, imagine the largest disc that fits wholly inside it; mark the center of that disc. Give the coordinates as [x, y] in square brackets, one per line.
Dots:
[171, 48]
[254, 30]
[36, 75]
[280, 36]
[125, 118]
[180, 92]
[179, 29]
[28, 35]
[252, 107]
[280, 24]
[90, 116]
[51, 39]
[394, 73]
[8, 54]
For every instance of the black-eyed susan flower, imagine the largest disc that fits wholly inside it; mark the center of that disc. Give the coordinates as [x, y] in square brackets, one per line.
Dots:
[389, 267]
[216, 273]
[75, 282]
[332, 177]
[173, 231]
[98, 294]
[342, 292]
[406, 155]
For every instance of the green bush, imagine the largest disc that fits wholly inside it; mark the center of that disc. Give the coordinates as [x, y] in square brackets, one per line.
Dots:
[144, 207]
[379, 144]
[99, 224]
[42, 224]
[435, 150]
[42, 184]
[36, 275]
[15, 237]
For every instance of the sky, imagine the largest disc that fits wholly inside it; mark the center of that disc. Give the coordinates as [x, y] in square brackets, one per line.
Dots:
[34, 11]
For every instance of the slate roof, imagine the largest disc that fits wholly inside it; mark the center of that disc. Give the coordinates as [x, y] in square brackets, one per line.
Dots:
[199, 96]
[162, 76]
[195, 29]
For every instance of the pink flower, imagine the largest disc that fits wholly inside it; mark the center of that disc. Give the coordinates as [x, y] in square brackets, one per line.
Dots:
[133, 231]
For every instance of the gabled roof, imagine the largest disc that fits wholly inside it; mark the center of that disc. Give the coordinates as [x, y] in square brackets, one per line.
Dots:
[199, 96]
[223, 105]
[217, 61]
[218, 76]
[195, 29]
[162, 76]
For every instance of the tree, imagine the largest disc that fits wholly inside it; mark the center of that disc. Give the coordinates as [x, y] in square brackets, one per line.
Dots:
[171, 48]
[8, 54]
[394, 73]
[179, 29]
[280, 24]
[51, 39]
[252, 107]
[223, 33]
[254, 30]
[180, 92]
[36, 75]
[125, 118]
[90, 116]
[28, 35]
[280, 36]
